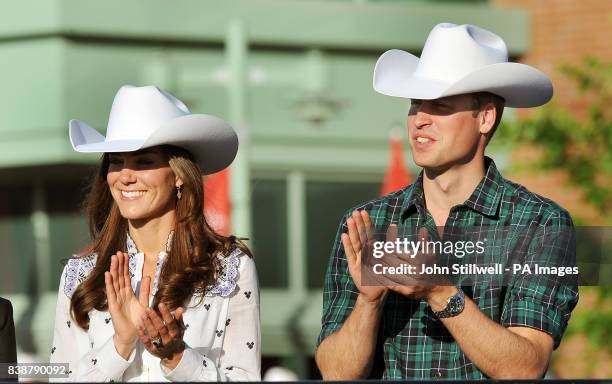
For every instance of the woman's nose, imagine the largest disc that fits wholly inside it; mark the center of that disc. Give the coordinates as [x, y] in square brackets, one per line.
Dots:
[127, 175]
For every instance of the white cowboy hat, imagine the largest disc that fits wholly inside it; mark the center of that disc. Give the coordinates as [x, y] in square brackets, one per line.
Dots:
[143, 117]
[459, 59]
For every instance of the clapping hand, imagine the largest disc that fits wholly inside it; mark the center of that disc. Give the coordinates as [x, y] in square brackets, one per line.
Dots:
[417, 285]
[125, 309]
[359, 239]
[163, 335]
[360, 233]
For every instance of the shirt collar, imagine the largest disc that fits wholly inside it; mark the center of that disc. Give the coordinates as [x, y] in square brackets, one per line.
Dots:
[487, 195]
[485, 199]
[415, 198]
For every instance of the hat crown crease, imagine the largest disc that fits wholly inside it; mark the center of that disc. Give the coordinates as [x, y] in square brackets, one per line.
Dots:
[137, 112]
[452, 52]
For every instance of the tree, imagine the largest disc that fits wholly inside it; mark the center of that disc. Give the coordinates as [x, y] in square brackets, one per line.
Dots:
[582, 148]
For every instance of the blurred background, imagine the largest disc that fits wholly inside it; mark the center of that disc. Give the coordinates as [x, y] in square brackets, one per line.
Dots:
[294, 78]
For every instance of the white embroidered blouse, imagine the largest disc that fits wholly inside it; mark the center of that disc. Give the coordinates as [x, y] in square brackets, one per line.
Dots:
[222, 335]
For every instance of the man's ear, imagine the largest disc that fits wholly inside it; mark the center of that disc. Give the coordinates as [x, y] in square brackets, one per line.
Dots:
[487, 117]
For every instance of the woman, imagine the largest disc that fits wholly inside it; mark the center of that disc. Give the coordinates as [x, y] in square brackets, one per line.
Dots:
[161, 297]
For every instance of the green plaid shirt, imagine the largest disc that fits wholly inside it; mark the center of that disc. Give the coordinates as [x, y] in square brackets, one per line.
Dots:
[412, 342]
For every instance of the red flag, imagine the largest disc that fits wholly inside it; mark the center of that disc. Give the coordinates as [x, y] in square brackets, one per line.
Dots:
[397, 175]
[217, 207]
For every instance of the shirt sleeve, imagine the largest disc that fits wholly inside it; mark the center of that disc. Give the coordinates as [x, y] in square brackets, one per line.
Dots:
[71, 346]
[545, 301]
[339, 290]
[240, 359]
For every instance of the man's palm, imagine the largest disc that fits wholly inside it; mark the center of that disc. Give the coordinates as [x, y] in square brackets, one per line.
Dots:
[360, 231]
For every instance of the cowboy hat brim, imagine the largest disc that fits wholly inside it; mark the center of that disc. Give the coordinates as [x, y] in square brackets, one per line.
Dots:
[211, 141]
[520, 85]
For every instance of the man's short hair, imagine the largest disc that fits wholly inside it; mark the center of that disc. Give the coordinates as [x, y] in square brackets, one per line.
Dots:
[480, 99]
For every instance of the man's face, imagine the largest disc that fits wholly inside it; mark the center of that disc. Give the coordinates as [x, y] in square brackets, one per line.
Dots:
[443, 132]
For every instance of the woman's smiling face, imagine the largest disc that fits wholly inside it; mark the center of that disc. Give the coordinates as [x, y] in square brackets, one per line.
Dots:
[142, 183]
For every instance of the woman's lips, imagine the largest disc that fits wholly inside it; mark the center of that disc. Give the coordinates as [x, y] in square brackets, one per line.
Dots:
[132, 195]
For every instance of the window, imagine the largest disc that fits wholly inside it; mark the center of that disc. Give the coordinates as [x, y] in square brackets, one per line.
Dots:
[68, 227]
[17, 243]
[326, 203]
[269, 243]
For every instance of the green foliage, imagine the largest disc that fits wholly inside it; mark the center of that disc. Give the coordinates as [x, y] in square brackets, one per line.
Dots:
[582, 148]
[596, 323]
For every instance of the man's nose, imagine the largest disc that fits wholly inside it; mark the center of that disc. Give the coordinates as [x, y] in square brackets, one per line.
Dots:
[421, 118]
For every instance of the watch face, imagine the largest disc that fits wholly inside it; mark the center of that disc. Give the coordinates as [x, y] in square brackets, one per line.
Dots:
[455, 304]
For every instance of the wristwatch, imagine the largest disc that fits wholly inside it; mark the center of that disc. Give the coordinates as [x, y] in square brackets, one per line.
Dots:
[454, 307]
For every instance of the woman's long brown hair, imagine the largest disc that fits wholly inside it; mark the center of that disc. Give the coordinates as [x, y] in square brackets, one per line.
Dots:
[191, 262]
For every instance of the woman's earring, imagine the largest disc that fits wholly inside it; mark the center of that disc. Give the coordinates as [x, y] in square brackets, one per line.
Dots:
[179, 191]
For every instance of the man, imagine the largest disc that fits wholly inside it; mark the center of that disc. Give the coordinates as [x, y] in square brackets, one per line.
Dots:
[470, 329]
[8, 352]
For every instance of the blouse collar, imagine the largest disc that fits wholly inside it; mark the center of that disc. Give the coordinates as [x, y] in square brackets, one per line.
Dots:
[136, 261]
[133, 250]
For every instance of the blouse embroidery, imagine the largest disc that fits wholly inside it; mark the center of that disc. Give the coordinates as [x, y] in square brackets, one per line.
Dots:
[158, 267]
[227, 275]
[77, 271]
